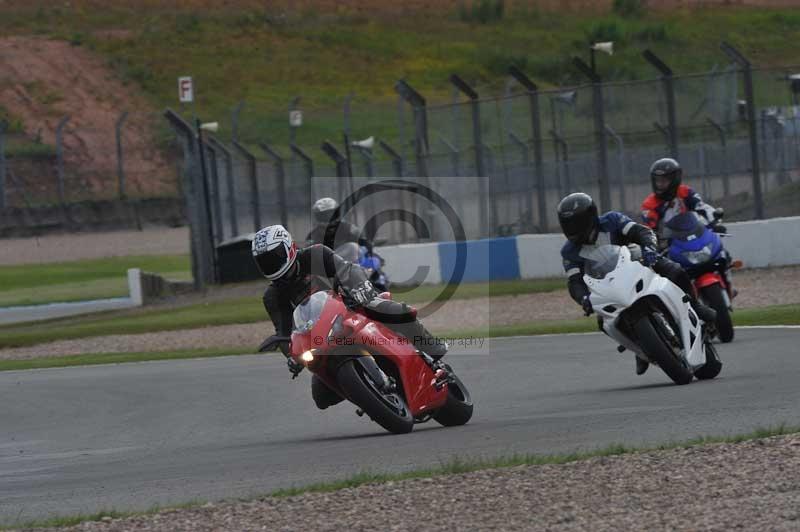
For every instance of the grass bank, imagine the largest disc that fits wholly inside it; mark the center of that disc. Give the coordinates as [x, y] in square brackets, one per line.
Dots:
[33, 284]
[323, 54]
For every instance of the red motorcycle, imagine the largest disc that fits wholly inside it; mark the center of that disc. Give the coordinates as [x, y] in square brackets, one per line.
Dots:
[373, 367]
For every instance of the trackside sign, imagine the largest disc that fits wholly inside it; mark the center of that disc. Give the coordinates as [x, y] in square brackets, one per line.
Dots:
[185, 89]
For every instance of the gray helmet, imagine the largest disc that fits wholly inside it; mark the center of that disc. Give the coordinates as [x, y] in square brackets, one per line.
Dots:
[324, 210]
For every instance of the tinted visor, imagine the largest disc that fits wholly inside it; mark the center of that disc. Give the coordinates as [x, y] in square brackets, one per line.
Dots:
[578, 227]
[272, 261]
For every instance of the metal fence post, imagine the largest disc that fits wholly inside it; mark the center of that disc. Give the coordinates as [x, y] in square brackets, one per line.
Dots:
[418, 104]
[235, 112]
[215, 199]
[726, 185]
[747, 72]
[536, 132]
[3, 129]
[664, 132]
[621, 158]
[230, 186]
[308, 163]
[60, 158]
[341, 167]
[397, 159]
[120, 163]
[454, 157]
[252, 171]
[277, 161]
[480, 163]
[599, 131]
[201, 248]
[669, 90]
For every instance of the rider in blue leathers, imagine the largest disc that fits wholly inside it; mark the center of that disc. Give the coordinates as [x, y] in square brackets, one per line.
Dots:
[583, 227]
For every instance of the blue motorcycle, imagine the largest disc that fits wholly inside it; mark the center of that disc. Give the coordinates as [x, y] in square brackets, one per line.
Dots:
[372, 263]
[699, 250]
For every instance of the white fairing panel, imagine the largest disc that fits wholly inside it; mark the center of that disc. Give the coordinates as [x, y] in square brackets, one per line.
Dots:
[616, 282]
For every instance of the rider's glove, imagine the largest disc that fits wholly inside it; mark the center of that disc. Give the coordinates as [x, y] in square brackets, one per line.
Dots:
[649, 256]
[587, 306]
[294, 367]
[362, 294]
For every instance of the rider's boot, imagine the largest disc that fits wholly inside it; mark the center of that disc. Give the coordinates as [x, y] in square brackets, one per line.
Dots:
[641, 366]
[422, 339]
[703, 311]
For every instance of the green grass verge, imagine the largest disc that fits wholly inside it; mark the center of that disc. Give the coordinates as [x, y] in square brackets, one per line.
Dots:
[35, 276]
[778, 315]
[426, 293]
[223, 312]
[80, 291]
[455, 466]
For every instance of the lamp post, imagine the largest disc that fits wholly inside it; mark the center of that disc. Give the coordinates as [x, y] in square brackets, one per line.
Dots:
[212, 127]
[606, 47]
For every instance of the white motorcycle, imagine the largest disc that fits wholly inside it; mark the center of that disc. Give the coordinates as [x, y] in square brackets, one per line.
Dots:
[648, 314]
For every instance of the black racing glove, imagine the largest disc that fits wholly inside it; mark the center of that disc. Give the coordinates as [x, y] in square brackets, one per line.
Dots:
[362, 294]
[586, 303]
[294, 367]
[649, 256]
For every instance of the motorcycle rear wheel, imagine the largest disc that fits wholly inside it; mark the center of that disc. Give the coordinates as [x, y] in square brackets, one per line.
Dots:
[458, 408]
[716, 300]
[387, 410]
[659, 352]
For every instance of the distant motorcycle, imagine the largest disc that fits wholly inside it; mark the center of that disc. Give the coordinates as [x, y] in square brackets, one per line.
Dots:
[648, 314]
[370, 365]
[372, 263]
[699, 250]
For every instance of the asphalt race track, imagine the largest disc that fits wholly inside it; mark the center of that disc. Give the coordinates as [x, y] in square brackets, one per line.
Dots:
[130, 436]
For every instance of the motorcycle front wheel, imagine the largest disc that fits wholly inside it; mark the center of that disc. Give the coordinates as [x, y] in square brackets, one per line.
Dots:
[389, 410]
[659, 352]
[458, 408]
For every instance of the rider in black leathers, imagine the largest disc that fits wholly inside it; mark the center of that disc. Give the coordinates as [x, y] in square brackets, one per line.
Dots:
[296, 274]
[331, 230]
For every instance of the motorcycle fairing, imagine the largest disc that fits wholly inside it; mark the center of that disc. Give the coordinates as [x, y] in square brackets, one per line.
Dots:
[630, 281]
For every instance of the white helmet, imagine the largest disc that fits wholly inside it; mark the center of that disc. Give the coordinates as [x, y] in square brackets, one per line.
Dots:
[323, 210]
[274, 251]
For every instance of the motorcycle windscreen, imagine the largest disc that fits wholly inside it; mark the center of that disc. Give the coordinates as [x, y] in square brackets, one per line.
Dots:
[600, 260]
[685, 226]
[305, 316]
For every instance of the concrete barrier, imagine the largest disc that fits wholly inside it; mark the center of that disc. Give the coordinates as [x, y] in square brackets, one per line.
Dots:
[412, 263]
[763, 243]
[759, 244]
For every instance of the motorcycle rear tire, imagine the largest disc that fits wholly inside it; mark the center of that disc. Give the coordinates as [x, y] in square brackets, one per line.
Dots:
[352, 383]
[458, 408]
[716, 300]
[657, 350]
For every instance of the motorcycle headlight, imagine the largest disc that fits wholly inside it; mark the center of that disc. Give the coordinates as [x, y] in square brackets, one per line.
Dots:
[698, 257]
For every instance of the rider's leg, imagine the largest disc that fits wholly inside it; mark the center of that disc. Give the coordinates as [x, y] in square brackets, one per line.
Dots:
[402, 319]
[323, 396]
[672, 271]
